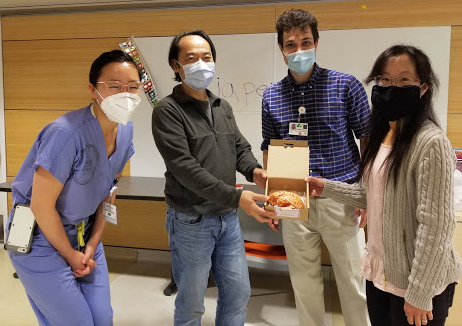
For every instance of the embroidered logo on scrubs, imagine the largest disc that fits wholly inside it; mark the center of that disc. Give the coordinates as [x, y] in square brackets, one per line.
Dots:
[85, 166]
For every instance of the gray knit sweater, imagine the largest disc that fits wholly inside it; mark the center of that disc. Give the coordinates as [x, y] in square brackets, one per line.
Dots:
[418, 218]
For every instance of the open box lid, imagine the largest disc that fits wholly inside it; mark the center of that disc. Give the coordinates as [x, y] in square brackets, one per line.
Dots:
[288, 159]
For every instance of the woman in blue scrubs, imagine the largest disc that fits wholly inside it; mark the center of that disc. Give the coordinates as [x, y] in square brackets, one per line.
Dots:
[65, 178]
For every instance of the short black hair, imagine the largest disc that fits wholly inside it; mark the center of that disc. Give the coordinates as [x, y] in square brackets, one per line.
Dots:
[175, 49]
[107, 58]
[299, 19]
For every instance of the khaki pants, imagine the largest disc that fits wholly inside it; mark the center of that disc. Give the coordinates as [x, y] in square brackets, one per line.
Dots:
[337, 226]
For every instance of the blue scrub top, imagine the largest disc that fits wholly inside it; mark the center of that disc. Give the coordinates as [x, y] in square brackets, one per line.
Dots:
[72, 149]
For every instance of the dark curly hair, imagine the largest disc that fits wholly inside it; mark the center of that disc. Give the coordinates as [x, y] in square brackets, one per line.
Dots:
[296, 18]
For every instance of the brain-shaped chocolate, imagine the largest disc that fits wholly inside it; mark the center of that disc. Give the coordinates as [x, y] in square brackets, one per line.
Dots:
[286, 199]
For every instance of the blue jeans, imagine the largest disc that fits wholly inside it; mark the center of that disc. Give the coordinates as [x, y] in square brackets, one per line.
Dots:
[199, 243]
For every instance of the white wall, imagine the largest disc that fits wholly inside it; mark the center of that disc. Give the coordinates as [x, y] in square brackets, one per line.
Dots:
[3, 207]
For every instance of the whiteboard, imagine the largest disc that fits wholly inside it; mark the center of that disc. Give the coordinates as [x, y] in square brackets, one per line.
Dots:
[248, 63]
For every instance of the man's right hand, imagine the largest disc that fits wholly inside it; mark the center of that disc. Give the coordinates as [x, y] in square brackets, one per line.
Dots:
[248, 203]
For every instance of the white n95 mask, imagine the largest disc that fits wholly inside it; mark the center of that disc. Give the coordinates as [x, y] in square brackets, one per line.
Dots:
[120, 107]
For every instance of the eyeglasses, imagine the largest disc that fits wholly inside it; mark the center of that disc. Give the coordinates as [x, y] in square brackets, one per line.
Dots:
[115, 87]
[400, 81]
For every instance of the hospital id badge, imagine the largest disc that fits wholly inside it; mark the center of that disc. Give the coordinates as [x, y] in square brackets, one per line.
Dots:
[110, 213]
[298, 129]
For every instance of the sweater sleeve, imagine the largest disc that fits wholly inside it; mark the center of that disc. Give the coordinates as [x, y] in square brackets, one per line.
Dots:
[172, 143]
[436, 223]
[349, 194]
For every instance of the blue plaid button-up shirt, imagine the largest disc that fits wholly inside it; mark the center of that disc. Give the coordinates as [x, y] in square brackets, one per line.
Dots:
[336, 107]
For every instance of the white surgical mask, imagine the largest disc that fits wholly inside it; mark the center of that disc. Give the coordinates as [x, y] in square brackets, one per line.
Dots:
[120, 107]
[300, 62]
[198, 75]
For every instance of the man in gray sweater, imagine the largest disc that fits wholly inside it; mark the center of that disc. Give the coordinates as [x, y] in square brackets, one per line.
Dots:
[197, 136]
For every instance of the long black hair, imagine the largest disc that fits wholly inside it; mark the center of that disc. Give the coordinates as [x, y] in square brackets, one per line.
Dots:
[408, 126]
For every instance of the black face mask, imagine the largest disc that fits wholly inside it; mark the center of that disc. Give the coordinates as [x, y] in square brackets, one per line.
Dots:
[394, 102]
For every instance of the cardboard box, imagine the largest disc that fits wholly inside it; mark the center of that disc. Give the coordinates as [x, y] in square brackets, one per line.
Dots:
[287, 168]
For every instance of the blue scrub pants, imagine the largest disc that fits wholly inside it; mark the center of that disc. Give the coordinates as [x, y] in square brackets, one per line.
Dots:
[56, 296]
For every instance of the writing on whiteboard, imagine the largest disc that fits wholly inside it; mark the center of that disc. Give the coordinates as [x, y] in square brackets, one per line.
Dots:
[247, 93]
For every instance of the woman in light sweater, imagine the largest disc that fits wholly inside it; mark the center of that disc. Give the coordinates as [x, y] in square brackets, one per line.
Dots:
[406, 184]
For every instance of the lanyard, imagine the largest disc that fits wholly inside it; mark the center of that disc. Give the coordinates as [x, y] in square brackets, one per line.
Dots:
[81, 226]
[80, 233]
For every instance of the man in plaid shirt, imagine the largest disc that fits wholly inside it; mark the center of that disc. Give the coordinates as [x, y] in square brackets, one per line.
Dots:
[328, 108]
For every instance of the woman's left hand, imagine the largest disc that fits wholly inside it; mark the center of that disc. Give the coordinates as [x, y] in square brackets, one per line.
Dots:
[89, 253]
[416, 316]
[316, 185]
